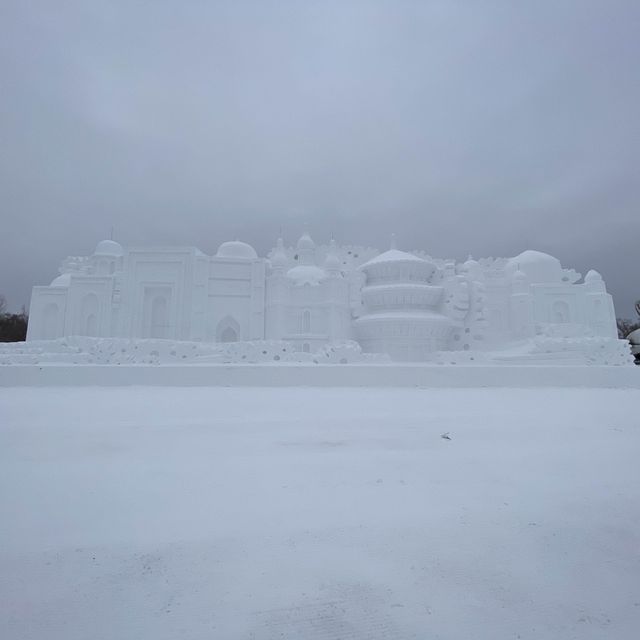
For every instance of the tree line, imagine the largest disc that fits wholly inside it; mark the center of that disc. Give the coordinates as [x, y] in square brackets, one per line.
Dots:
[13, 326]
[626, 326]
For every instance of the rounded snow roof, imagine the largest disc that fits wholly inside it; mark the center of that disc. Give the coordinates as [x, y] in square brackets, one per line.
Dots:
[393, 255]
[634, 337]
[61, 281]
[236, 249]
[305, 243]
[537, 266]
[332, 262]
[593, 276]
[306, 274]
[109, 248]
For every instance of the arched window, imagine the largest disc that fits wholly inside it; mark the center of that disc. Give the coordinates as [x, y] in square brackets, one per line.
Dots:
[87, 322]
[560, 312]
[306, 321]
[228, 330]
[229, 335]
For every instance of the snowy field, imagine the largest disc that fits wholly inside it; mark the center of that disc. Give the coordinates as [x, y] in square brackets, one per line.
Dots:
[308, 514]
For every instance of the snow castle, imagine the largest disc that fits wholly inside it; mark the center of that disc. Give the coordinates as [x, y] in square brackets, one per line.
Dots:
[404, 305]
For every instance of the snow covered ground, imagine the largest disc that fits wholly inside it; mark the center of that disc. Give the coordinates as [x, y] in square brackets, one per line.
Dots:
[306, 514]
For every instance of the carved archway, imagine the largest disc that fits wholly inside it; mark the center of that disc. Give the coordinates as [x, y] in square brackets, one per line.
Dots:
[228, 330]
[87, 323]
[560, 312]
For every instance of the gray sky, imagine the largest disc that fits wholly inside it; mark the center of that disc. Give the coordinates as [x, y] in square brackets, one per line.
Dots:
[483, 127]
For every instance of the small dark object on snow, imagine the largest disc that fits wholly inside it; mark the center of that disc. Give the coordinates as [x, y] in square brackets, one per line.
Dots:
[446, 436]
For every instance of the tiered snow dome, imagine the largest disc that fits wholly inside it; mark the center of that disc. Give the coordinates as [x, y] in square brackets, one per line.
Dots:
[401, 308]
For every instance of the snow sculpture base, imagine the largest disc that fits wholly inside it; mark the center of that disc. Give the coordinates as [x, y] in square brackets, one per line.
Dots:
[117, 361]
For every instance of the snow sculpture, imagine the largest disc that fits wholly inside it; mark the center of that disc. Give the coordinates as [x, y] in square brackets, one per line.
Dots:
[307, 304]
[403, 317]
[315, 298]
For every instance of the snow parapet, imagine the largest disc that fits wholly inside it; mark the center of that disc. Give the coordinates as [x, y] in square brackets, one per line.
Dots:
[121, 351]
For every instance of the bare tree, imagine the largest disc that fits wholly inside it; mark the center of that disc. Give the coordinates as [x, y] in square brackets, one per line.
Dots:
[3, 304]
[625, 326]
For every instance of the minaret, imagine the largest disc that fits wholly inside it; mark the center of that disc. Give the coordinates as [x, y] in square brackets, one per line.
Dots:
[279, 260]
[277, 293]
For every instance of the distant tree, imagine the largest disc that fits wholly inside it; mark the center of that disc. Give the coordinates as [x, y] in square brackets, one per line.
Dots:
[13, 326]
[626, 326]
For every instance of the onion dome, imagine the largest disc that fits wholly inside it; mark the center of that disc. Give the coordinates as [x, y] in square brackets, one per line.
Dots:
[306, 249]
[305, 243]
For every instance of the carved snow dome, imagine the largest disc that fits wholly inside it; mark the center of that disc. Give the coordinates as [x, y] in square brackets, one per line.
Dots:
[61, 281]
[109, 248]
[399, 280]
[236, 250]
[539, 267]
[397, 266]
[402, 316]
[305, 244]
[306, 274]
[306, 271]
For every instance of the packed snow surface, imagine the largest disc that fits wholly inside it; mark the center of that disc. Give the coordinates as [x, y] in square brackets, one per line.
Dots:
[306, 514]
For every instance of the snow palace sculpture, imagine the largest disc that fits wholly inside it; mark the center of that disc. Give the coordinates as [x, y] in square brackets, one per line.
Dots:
[409, 306]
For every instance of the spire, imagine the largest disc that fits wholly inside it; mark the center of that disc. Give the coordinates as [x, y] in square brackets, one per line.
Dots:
[332, 261]
[279, 259]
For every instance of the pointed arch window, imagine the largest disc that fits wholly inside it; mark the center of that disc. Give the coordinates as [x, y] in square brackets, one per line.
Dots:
[228, 330]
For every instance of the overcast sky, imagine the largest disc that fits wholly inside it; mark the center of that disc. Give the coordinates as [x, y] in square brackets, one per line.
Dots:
[464, 127]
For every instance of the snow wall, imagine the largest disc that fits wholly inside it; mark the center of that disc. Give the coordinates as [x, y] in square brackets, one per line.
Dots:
[336, 375]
